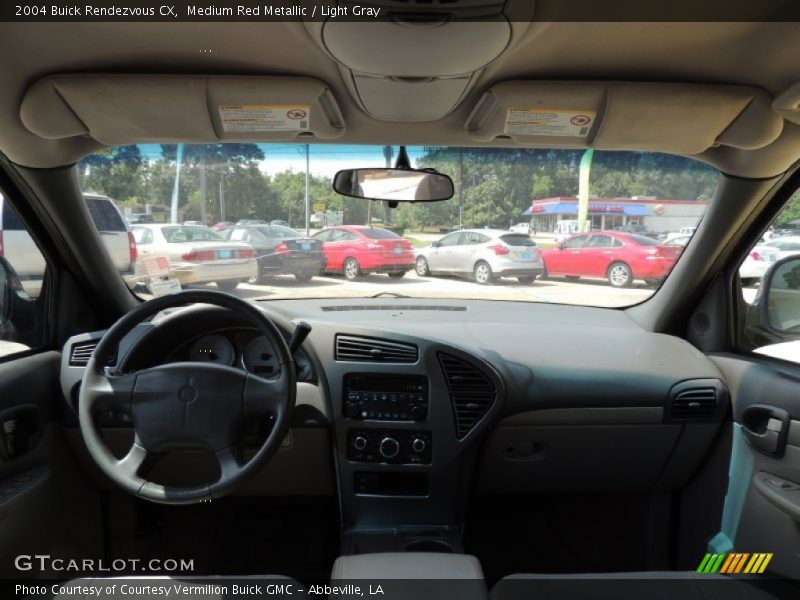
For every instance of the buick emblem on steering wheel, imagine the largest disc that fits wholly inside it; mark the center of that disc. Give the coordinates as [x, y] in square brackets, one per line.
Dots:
[187, 394]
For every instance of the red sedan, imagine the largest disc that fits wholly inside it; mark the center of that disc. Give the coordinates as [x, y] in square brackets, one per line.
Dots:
[356, 250]
[618, 257]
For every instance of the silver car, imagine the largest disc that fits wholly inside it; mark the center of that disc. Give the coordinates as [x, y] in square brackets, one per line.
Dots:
[197, 255]
[483, 254]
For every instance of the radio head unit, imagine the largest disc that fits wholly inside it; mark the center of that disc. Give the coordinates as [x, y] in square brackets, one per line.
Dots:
[384, 397]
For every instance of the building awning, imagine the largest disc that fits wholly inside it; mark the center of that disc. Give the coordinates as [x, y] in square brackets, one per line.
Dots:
[595, 208]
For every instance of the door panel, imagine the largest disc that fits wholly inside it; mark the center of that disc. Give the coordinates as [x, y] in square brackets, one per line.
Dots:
[763, 504]
[45, 506]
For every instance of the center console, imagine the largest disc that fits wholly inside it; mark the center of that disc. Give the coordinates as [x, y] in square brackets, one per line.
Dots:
[408, 414]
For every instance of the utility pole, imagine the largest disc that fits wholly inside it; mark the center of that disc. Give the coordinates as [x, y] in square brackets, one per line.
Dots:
[222, 196]
[308, 206]
[460, 188]
[173, 216]
[583, 190]
[203, 191]
[387, 212]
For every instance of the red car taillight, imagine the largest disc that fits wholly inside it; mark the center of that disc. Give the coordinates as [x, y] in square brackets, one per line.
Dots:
[755, 255]
[247, 253]
[500, 250]
[198, 255]
[281, 248]
[134, 251]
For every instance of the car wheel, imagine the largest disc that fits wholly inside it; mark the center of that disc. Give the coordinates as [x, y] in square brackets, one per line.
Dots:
[228, 285]
[749, 281]
[422, 268]
[257, 280]
[303, 277]
[620, 275]
[351, 269]
[397, 274]
[483, 273]
[527, 279]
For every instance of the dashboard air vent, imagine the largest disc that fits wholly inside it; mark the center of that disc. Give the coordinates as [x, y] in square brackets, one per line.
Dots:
[694, 404]
[81, 352]
[356, 348]
[472, 392]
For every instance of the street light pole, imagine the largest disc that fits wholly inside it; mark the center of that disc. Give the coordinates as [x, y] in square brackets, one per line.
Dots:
[308, 207]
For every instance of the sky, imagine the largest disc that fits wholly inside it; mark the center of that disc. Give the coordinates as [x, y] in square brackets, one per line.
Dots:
[324, 159]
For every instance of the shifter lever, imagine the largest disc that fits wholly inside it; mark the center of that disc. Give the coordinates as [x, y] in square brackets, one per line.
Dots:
[299, 336]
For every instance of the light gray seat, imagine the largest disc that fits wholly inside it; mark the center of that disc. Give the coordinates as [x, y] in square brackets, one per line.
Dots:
[646, 585]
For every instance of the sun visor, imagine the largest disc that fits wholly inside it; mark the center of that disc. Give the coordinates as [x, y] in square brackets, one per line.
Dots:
[127, 109]
[661, 117]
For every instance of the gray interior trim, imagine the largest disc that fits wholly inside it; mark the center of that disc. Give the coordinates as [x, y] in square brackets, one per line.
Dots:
[587, 416]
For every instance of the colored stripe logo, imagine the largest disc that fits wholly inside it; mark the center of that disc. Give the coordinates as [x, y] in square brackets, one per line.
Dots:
[734, 563]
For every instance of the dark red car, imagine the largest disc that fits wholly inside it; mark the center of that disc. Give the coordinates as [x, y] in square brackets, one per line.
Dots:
[356, 250]
[618, 257]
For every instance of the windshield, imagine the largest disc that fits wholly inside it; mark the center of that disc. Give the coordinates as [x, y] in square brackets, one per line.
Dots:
[565, 226]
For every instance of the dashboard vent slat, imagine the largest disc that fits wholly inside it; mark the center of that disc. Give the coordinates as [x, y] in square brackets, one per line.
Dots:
[393, 307]
[353, 348]
[694, 404]
[472, 392]
[81, 352]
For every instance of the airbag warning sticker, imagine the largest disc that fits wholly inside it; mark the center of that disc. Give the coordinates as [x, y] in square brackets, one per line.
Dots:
[549, 122]
[253, 117]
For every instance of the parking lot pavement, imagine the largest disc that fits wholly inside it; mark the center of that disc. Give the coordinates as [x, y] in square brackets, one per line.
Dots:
[594, 293]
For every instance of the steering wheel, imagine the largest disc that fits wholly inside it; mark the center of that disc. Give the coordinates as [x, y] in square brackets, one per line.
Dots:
[186, 405]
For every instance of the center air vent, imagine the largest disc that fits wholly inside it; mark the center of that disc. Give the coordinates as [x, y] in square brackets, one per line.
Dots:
[355, 348]
[472, 392]
[81, 352]
[694, 404]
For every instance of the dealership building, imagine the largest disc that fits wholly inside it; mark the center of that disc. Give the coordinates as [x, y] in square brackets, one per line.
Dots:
[609, 213]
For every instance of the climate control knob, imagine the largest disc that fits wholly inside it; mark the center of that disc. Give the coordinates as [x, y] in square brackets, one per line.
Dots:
[389, 447]
[418, 444]
[359, 442]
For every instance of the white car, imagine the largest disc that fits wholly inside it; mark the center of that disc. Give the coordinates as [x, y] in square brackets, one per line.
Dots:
[483, 254]
[753, 267]
[757, 263]
[198, 255]
[785, 246]
[521, 228]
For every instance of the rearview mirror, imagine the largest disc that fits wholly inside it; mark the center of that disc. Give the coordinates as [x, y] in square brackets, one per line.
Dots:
[394, 185]
[436, 244]
[777, 307]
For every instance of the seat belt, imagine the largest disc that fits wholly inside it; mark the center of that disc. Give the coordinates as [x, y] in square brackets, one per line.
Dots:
[740, 472]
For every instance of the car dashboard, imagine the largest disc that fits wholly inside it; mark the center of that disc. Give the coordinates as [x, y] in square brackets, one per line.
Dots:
[406, 406]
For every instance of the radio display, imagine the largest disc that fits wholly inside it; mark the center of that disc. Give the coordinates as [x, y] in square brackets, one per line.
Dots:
[380, 397]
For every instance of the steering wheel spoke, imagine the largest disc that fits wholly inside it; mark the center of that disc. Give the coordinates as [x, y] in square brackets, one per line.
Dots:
[114, 392]
[229, 465]
[131, 464]
[264, 397]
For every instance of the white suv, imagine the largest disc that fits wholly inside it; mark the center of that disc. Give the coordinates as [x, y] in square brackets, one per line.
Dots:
[484, 254]
[21, 252]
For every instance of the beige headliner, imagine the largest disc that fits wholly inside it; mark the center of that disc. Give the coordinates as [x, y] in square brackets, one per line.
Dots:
[764, 55]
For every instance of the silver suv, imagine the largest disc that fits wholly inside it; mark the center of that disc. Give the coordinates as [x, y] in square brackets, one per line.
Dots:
[483, 254]
[20, 250]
